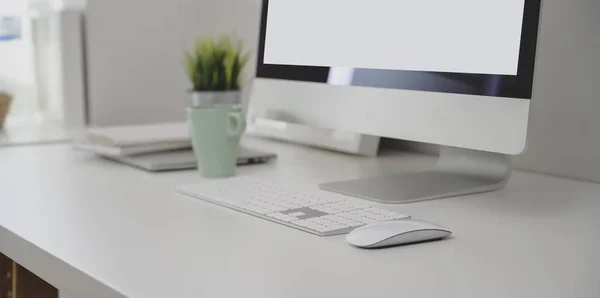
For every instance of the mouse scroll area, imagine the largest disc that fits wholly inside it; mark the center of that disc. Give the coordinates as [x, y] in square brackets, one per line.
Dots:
[394, 233]
[412, 238]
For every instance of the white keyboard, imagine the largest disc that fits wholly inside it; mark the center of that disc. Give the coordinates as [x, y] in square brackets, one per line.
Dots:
[314, 211]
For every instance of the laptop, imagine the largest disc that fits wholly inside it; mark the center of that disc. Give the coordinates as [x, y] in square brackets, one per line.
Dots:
[185, 159]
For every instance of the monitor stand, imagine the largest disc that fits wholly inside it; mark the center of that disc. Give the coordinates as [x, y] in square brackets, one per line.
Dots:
[458, 172]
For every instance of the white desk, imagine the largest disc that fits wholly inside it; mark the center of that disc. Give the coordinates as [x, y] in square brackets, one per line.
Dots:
[94, 228]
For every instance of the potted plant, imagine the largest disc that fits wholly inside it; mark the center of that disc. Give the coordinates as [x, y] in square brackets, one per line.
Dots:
[5, 100]
[214, 67]
[215, 118]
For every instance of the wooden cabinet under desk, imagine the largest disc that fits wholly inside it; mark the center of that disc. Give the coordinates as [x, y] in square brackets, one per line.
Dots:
[18, 282]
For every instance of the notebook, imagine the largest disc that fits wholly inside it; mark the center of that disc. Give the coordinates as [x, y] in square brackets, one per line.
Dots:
[135, 139]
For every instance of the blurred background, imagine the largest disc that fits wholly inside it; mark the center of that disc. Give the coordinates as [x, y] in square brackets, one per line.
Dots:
[30, 64]
[110, 62]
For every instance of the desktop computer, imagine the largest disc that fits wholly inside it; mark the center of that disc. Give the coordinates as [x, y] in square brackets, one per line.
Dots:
[453, 73]
[458, 74]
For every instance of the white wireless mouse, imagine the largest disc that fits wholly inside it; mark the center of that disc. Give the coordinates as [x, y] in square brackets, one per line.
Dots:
[397, 232]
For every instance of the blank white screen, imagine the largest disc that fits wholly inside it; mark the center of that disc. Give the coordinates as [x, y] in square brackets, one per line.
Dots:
[462, 36]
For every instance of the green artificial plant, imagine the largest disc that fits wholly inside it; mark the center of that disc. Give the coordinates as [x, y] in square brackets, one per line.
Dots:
[215, 64]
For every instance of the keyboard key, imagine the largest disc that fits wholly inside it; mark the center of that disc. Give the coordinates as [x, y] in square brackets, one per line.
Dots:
[321, 229]
[345, 221]
[313, 202]
[367, 220]
[335, 218]
[308, 224]
[335, 227]
[359, 218]
[351, 216]
[299, 203]
[297, 214]
[363, 213]
[273, 207]
[334, 206]
[288, 218]
[322, 221]
[282, 216]
[326, 225]
[342, 206]
[318, 207]
[358, 205]
[394, 215]
[331, 200]
[380, 217]
[287, 205]
[398, 216]
[345, 215]
[331, 217]
[329, 210]
[301, 222]
[258, 210]
[302, 204]
[317, 227]
[355, 224]
[277, 215]
[376, 210]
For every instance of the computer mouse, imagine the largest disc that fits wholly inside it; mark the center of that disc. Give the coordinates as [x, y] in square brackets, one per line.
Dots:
[396, 232]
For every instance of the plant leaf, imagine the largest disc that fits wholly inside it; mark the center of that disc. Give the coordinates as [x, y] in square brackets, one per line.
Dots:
[215, 64]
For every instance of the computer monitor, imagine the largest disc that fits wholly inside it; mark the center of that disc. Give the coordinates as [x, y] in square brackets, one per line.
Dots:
[454, 73]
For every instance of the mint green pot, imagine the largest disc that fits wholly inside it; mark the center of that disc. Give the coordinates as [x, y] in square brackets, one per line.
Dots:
[215, 132]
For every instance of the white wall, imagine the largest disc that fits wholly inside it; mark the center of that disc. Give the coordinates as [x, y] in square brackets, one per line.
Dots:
[564, 129]
[134, 50]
